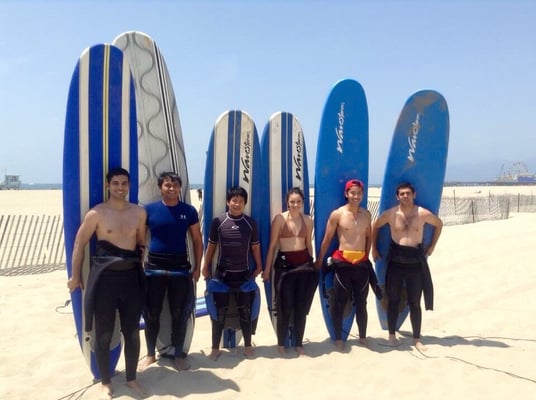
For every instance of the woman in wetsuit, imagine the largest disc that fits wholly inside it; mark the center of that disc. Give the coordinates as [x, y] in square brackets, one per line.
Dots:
[295, 276]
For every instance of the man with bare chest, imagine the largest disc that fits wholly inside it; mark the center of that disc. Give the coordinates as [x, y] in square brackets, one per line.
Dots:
[353, 270]
[407, 259]
[116, 280]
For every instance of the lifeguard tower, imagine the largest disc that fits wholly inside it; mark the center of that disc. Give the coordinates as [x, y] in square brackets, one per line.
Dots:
[10, 182]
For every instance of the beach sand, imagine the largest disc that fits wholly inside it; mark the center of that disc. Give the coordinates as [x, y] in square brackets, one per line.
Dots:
[480, 338]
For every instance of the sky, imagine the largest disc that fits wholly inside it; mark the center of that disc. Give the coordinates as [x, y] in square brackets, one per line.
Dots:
[267, 56]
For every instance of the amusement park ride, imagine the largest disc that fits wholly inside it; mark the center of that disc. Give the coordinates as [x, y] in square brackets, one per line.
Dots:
[516, 172]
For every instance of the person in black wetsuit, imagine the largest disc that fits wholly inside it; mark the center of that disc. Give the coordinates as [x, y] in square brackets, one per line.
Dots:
[407, 259]
[234, 234]
[353, 270]
[295, 277]
[116, 280]
[169, 221]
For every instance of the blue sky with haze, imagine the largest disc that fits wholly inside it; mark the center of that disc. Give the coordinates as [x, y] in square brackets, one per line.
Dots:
[268, 56]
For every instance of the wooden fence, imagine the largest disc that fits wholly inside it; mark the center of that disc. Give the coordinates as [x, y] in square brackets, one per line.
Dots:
[30, 240]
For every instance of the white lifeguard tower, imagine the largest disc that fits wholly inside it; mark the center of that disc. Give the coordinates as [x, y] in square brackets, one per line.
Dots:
[11, 182]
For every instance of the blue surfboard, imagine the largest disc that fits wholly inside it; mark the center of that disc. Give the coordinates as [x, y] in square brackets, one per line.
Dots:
[342, 154]
[418, 155]
[100, 133]
[233, 159]
[284, 166]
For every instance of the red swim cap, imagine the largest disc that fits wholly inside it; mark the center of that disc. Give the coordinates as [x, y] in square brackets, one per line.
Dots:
[353, 182]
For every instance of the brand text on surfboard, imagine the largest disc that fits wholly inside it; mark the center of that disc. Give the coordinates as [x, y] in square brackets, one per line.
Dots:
[298, 157]
[339, 130]
[412, 140]
[245, 159]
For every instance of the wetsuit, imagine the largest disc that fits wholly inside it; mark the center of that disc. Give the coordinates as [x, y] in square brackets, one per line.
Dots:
[351, 280]
[295, 285]
[168, 252]
[115, 282]
[234, 236]
[407, 265]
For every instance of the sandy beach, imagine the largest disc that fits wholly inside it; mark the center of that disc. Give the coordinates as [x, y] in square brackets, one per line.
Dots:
[480, 336]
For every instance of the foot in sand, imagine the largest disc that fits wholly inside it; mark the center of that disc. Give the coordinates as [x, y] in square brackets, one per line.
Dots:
[339, 344]
[301, 352]
[249, 352]
[181, 364]
[393, 341]
[140, 391]
[106, 391]
[281, 350]
[363, 341]
[144, 364]
[419, 345]
[214, 354]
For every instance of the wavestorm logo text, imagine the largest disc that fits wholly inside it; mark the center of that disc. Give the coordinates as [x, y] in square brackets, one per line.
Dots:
[339, 130]
[246, 159]
[412, 140]
[298, 157]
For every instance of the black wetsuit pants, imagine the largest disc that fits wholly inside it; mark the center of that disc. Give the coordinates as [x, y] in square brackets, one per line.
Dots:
[244, 300]
[122, 291]
[292, 297]
[350, 280]
[411, 275]
[178, 290]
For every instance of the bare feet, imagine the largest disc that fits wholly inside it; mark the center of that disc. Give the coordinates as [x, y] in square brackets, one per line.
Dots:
[281, 350]
[419, 345]
[105, 392]
[249, 352]
[140, 391]
[339, 344]
[301, 352]
[363, 341]
[144, 364]
[214, 354]
[181, 364]
[393, 341]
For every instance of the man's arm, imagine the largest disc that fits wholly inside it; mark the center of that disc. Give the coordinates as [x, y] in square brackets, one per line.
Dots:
[437, 223]
[256, 250]
[197, 241]
[209, 254]
[376, 225]
[85, 231]
[331, 229]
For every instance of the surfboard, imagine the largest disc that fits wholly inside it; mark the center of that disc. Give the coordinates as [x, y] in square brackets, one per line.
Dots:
[160, 145]
[342, 154]
[418, 155]
[284, 166]
[100, 133]
[233, 159]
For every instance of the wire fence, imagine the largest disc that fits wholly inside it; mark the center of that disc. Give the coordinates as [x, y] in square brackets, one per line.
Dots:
[35, 244]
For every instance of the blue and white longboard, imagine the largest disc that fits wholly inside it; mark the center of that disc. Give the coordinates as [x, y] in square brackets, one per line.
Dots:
[342, 154]
[233, 159]
[284, 166]
[160, 144]
[418, 155]
[100, 134]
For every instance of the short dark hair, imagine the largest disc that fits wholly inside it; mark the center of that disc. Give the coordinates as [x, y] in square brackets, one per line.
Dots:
[237, 191]
[172, 176]
[405, 185]
[118, 171]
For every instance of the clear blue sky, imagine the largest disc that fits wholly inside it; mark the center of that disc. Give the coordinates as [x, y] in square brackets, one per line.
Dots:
[268, 56]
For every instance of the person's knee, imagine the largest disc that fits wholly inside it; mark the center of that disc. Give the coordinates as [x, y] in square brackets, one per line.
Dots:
[103, 340]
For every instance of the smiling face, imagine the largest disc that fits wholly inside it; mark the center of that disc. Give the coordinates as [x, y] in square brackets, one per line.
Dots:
[236, 205]
[295, 202]
[118, 187]
[354, 195]
[405, 196]
[170, 190]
